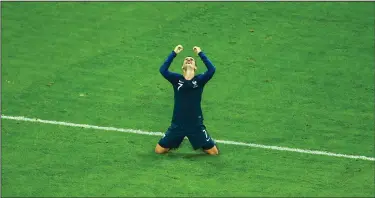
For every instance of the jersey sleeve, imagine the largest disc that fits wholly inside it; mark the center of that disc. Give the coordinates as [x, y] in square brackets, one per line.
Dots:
[170, 76]
[206, 76]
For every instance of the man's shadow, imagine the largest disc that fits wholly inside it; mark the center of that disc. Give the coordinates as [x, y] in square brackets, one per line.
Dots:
[185, 155]
[176, 155]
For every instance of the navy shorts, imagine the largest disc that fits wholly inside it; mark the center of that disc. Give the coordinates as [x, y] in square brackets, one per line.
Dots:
[197, 135]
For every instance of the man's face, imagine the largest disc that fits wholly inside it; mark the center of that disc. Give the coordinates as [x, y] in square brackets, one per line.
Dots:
[189, 61]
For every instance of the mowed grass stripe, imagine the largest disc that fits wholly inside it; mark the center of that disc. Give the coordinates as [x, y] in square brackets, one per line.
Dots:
[136, 131]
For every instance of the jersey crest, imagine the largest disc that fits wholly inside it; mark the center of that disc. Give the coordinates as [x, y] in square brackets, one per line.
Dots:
[195, 84]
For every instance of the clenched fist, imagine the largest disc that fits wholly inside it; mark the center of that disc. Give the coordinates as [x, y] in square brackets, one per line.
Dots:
[178, 49]
[197, 49]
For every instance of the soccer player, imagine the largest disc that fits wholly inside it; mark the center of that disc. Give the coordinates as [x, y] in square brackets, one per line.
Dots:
[187, 117]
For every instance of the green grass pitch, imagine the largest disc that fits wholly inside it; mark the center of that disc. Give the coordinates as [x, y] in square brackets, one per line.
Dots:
[298, 75]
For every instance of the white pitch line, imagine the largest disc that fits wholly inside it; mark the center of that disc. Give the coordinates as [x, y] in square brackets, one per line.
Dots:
[313, 152]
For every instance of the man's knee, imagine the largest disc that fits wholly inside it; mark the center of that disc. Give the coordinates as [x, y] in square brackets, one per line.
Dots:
[160, 150]
[212, 151]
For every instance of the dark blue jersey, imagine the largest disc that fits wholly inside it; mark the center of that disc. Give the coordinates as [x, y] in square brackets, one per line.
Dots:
[187, 93]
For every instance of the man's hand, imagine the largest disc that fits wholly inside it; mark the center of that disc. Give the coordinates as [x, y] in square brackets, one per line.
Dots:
[178, 49]
[197, 49]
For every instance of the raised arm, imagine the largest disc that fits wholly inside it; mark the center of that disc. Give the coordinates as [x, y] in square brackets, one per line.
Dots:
[170, 76]
[206, 76]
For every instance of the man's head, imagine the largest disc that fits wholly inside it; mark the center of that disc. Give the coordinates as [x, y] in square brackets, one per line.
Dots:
[189, 64]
